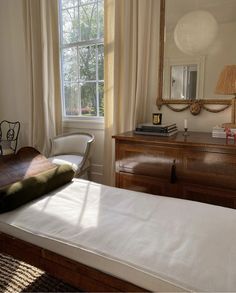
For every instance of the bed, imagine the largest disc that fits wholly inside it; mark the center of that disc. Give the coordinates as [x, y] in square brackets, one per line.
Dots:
[100, 238]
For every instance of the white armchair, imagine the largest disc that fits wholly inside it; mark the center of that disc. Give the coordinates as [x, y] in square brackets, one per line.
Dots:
[74, 149]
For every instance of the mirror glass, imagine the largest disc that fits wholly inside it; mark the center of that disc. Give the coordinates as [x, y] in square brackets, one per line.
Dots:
[199, 40]
[183, 81]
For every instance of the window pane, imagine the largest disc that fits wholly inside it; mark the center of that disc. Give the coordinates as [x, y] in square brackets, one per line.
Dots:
[82, 57]
[88, 63]
[71, 91]
[101, 99]
[68, 3]
[100, 62]
[88, 22]
[100, 19]
[70, 65]
[70, 28]
[86, 1]
[88, 99]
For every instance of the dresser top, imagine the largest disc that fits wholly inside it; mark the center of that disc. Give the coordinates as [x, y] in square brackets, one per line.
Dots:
[203, 139]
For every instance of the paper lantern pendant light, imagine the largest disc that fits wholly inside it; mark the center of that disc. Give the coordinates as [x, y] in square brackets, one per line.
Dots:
[195, 32]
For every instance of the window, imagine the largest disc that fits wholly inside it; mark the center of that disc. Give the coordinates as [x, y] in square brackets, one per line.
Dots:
[82, 57]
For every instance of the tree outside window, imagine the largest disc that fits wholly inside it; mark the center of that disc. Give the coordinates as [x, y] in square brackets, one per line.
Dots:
[82, 57]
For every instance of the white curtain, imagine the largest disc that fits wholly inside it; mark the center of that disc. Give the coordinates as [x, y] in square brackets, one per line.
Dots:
[128, 68]
[42, 37]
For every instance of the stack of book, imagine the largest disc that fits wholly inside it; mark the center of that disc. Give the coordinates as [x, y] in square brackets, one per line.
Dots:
[159, 130]
[219, 132]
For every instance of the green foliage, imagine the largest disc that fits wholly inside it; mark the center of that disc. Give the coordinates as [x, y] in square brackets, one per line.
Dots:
[83, 72]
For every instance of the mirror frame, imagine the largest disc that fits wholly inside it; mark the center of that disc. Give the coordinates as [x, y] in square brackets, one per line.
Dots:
[195, 106]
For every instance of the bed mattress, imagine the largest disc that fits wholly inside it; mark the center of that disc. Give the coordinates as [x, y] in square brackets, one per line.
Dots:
[158, 243]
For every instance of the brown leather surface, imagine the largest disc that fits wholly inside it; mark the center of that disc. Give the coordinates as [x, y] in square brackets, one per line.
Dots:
[27, 162]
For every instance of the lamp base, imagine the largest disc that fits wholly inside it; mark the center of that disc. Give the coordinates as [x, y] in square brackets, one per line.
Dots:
[229, 125]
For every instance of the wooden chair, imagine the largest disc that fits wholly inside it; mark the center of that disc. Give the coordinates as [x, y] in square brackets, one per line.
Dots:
[9, 132]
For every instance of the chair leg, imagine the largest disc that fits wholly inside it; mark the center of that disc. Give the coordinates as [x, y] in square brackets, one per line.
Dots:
[89, 173]
[83, 175]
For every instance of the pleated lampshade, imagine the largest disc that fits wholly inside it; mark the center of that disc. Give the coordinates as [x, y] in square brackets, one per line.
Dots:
[226, 84]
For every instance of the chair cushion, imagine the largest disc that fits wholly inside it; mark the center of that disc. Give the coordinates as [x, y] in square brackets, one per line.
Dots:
[21, 192]
[72, 160]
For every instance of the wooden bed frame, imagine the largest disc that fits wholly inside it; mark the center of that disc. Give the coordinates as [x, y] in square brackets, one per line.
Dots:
[74, 273]
[28, 162]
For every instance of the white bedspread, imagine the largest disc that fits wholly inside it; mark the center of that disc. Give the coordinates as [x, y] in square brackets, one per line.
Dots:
[158, 243]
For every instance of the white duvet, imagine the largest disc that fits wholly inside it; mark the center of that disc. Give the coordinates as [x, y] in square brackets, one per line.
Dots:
[158, 243]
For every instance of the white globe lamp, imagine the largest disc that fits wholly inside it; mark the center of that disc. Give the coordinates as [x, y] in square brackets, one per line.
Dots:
[195, 32]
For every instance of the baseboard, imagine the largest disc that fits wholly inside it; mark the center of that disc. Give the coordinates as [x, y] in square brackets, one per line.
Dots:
[96, 173]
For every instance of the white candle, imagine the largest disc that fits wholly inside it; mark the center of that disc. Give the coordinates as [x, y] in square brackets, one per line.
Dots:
[185, 123]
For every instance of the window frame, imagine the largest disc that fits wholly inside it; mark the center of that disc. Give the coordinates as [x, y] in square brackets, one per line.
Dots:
[79, 44]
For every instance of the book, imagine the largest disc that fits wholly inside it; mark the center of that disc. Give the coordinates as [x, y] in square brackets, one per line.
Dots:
[163, 128]
[156, 133]
[219, 132]
[157, 130]
[219, 135]
[156, 126]
[218, 129]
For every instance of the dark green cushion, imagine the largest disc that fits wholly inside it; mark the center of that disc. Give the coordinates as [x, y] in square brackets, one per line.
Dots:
[21, 192]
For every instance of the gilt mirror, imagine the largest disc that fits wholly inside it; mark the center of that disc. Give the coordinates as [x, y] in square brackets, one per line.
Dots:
[197, 40]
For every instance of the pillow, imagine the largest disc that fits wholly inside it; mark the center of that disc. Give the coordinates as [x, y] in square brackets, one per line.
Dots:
[21, 192]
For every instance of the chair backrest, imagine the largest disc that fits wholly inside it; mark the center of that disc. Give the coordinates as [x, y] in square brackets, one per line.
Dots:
[9, 132]
[71, 143]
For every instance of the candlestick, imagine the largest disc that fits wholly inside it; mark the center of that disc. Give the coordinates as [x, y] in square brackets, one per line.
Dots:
[185, 128]
[185, 132]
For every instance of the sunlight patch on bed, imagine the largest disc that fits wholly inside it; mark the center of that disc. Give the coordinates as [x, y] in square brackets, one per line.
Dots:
[81, 208]
[90, 214]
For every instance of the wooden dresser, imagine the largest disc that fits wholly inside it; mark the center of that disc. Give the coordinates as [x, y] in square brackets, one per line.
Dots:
[197, 167]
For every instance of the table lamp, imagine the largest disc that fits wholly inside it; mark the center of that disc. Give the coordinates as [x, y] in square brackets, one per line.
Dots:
[226, 85]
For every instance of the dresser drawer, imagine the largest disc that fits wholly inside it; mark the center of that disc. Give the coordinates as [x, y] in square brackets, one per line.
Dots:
[210, 168]
[147, 184]
[216, 196]
[147, 160]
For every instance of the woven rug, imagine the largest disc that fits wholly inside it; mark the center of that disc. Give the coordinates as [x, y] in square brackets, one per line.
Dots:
[17, 276]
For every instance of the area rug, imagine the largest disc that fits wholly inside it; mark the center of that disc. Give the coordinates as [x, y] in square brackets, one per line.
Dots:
[17, 276]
